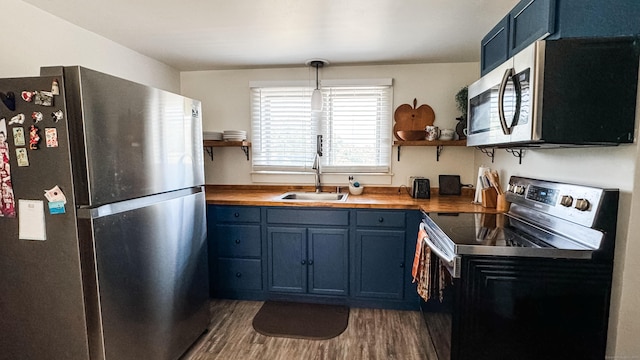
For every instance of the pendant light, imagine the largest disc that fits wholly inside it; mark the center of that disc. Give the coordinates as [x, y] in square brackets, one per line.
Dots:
[316, 97]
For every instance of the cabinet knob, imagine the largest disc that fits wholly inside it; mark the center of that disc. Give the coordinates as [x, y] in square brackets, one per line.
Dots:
[238, 274]
[380, 219]
[236, 214]
[303, 262]
[402, 264]
[310, 262]
[237, 241]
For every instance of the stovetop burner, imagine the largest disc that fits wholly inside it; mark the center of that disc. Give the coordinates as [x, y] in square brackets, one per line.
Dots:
[481, 229]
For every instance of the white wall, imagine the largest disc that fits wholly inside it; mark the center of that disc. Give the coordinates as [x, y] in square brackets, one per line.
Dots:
[32, 38]
[609, 167]
[225, 102]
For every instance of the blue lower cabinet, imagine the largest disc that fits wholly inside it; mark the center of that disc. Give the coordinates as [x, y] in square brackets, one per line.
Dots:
[352, 256]
[235, 252]
[379, 264]
[307, 260]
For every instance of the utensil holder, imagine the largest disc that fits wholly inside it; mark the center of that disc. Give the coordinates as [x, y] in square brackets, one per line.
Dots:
[489, 198]
[502, 204]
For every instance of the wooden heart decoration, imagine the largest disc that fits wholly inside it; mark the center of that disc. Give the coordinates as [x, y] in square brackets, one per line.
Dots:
[9, 100]
[412, 118]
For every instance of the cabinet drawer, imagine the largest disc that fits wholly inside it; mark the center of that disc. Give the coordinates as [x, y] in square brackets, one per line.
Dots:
[237, 214]
[381, 219]
[308, 217]
[240, 274]
[238, 240]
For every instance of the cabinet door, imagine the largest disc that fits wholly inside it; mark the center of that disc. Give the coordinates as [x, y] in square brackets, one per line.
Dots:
[328, 261]
[379, 264]
[287, 259]
[530, 20]
[494, 47]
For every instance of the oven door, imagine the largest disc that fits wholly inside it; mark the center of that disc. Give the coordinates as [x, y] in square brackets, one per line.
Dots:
[500, 103]
[438, 310]
[438, 315]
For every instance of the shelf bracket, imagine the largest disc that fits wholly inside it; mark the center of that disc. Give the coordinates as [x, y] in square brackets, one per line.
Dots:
[519, 153]
[246, 151]
[439, 149]
[490, 153]
[209, 150]
[399, 152]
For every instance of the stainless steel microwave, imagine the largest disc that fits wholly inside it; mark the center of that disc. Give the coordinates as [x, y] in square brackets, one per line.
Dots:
[555, 93]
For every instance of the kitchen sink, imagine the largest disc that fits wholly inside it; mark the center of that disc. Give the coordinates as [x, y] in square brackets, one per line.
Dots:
[312, 196]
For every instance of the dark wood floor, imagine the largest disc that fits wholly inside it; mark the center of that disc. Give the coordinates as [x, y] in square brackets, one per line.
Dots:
[372, 334]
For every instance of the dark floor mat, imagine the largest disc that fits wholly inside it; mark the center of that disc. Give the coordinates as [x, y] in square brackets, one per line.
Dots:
[301, 320]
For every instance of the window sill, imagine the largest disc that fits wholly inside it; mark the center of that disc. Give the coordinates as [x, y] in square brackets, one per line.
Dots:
[338, 179]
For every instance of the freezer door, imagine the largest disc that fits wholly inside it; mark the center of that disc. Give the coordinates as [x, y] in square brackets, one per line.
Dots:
[149, 296]
[130, 140]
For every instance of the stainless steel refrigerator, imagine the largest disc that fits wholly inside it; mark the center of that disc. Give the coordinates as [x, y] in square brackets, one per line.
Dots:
[102, 231]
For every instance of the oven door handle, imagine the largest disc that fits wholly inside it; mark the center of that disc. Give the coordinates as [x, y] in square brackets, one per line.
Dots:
[449, 261]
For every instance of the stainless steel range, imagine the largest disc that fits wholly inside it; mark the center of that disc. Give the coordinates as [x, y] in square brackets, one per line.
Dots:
[533, 283]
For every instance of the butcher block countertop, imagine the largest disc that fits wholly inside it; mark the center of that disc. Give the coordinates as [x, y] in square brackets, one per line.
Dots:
[371, 198]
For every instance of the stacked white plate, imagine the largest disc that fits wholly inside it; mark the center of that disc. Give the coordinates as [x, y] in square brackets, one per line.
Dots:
[234, 135]
[211, 135]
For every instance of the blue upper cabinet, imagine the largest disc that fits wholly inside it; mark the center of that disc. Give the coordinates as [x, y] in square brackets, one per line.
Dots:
[495, 46]
[591, 18]
[529, 21]
[532, 20]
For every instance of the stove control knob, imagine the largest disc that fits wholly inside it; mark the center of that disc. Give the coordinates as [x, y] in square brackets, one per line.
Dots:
[582, 204]
[566, 200]
[518, 189]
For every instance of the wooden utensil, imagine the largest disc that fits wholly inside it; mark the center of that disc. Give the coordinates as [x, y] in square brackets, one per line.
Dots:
[494, 179]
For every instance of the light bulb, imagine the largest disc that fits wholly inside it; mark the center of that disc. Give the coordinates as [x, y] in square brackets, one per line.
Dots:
[316, 100]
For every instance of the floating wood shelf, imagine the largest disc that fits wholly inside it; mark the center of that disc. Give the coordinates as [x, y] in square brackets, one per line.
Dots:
[210, 144]
[439, 144]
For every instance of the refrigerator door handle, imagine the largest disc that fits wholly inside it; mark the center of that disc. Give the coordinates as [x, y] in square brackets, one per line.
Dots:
[127, 205]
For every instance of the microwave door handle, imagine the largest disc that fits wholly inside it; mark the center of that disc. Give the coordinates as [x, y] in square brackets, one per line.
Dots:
[516, 114]
[503, 86]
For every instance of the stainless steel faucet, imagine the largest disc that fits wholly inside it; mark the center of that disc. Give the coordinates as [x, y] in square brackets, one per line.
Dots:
[316, 162]
[316, 167]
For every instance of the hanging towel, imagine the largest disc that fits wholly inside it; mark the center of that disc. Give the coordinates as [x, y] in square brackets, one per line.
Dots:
[429, 274]
[421, 270]
[416, 258]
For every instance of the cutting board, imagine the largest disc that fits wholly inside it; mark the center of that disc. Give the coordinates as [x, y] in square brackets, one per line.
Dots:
[412, 118]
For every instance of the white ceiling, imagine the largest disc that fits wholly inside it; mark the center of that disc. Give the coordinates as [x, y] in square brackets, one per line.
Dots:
[233, 34]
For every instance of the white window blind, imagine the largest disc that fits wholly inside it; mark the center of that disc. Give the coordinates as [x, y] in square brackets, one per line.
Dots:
[355, 123]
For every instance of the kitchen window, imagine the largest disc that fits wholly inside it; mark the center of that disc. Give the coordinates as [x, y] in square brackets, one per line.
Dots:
[355, 123]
